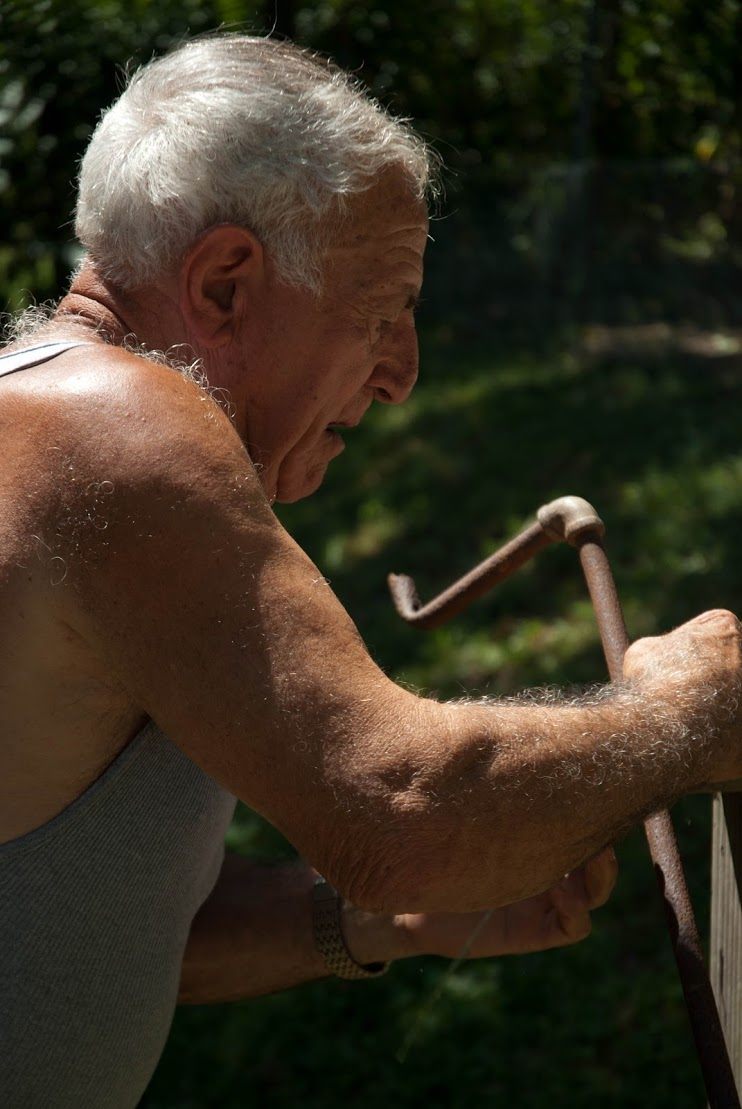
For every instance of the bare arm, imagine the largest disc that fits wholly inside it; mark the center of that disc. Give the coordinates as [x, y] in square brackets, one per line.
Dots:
[254, 933]
[223, 631]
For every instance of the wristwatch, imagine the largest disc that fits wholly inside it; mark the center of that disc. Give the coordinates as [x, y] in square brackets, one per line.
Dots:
[327, 910]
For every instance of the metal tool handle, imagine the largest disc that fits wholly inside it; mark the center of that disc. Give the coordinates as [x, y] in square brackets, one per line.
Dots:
[575, 521]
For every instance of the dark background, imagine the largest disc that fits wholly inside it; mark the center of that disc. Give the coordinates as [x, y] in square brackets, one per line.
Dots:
[581, 333]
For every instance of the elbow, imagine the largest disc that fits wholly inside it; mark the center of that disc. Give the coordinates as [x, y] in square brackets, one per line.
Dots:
[381, 883]
[425, 863]
[394, 862]
[403, 865]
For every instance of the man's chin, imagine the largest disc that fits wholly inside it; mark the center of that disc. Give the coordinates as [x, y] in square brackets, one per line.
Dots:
[292, 488]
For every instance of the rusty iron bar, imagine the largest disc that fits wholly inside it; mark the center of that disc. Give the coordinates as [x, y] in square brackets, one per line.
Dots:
[472, 586]
[663, 848]
[573, 520]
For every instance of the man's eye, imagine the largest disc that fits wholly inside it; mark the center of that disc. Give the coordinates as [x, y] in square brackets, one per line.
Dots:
[380, 327]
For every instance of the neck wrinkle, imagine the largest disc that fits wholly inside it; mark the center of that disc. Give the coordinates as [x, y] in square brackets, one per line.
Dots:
[91, 313]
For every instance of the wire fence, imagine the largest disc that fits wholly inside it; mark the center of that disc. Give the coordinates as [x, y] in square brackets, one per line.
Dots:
[616, 242]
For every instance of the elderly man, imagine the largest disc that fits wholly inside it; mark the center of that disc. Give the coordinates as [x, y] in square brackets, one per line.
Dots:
[169, 647]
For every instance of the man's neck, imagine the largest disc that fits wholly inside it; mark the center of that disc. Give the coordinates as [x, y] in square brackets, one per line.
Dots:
[147, 319]
[87, 312]
[112, 313]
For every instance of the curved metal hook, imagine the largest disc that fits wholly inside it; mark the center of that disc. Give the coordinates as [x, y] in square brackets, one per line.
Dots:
[575, 521]
[567, 519]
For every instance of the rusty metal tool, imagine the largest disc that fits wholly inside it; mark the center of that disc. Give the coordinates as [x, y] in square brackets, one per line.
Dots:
[574, 521]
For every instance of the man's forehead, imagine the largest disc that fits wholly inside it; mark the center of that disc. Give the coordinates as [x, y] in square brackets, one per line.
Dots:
[387, 211]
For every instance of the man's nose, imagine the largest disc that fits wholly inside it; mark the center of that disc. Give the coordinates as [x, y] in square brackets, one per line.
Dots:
[395, 372]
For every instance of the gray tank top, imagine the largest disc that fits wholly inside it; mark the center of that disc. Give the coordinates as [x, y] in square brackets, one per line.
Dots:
[95, 910]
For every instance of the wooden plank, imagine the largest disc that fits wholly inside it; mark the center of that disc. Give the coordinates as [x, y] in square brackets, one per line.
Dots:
[726, 921]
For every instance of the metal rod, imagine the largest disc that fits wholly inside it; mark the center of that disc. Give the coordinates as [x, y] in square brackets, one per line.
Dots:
[473, 585]
[573, 520]
[668, 868]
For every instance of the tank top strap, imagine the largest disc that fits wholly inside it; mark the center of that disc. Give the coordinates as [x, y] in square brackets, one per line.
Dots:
[34, 356]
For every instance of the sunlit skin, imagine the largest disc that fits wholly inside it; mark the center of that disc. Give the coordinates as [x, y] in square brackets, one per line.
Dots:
[353, 345]
[323, 719]
[295, 365]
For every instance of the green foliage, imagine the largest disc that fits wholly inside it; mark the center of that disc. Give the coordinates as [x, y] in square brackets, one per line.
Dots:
[61, 64]
[594, 163]
[593, 148]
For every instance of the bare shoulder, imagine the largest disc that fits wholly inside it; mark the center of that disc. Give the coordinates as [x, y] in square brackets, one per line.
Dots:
[128, 471]
[121, 398]
[104, 417]
[174, 571]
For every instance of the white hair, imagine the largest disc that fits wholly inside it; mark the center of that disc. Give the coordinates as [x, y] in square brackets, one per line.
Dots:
[235, 129]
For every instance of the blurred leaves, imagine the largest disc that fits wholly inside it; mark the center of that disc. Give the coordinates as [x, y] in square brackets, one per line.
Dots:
[581, 333]
[583, 137]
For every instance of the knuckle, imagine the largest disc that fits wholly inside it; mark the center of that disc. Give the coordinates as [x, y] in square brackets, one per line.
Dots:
[722, 618]
[724, 614]
[638, 655]
[583, 927]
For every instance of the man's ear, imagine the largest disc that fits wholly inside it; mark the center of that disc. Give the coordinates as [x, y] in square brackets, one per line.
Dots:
[218, 276]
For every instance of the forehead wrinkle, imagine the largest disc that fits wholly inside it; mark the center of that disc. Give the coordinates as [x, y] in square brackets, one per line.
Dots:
[404, 250]
[391, 290]
[400, 255]
[398, 265]
[385, 245]
[413, 228]
[375, 230]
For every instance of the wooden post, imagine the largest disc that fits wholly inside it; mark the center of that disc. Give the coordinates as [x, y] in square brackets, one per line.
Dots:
[726, 921]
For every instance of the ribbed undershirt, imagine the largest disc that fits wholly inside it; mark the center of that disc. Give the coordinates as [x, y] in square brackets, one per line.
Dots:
[95, 910]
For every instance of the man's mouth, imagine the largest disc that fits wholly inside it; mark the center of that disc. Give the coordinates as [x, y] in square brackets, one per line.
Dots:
[333, 434]
[334, 429]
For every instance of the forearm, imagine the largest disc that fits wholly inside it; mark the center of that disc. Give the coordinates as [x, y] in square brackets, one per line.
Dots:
[564, 780]
[253, 935]
[504, 798]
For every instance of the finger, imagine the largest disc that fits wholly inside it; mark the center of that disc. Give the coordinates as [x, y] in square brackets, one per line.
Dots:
[600, 874]
[590, 885]
[717, 631]
[722, 632]
[714, 627]
[567, 923]
[721, 618]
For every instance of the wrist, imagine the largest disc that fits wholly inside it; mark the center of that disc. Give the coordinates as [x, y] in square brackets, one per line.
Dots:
[690, 723]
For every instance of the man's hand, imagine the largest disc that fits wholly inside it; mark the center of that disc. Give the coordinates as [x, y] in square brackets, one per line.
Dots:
[254, 933]
[556, 918]
[699, 665]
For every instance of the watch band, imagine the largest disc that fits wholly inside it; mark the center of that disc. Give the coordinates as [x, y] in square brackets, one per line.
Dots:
[327, 908]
